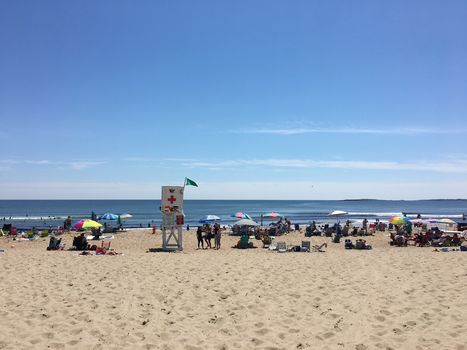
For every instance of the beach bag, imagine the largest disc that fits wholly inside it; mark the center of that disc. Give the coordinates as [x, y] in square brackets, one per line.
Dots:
[463, 248]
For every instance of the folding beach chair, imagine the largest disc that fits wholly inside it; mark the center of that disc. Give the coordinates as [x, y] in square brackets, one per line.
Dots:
[306, 246]
[281, 247]
[104, 248]
[319, 248]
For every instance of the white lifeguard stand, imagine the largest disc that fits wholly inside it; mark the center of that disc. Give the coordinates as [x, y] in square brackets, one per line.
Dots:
[172, 217]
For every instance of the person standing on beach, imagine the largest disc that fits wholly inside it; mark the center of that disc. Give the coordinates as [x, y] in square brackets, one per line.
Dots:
[217, 236]
[208, 236]
[199, 236]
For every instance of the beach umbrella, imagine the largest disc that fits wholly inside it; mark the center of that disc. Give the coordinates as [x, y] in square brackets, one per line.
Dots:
[272, 215]
[337, 213]
[399, 220]
[246, 222]
[447, 221]
[126, 216]
[209, 219]
[86, 224]
[241, 215]
[108, 216]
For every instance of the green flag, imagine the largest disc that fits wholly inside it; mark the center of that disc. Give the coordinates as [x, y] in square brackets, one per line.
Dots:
[189, 182]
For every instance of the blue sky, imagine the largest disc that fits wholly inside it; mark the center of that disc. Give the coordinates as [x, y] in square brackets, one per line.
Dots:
[252, 99]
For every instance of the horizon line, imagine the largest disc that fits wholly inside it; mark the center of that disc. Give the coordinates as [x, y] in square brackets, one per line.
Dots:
[230, 199]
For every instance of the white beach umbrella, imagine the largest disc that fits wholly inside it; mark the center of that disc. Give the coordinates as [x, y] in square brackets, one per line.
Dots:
[246, 222]
[337, 213]
[447, 221]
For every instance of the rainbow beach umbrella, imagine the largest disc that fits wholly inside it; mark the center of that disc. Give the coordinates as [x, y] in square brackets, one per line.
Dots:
[86, 224]
[399, 220]
[126, 216]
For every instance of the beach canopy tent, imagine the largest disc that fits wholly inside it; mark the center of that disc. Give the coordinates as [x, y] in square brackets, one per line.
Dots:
[86, 224]
[108, 216]
[241, 215]
[246, 222]
[209, 219]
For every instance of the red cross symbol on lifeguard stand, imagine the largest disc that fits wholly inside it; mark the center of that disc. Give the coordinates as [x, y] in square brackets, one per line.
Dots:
[172, 199]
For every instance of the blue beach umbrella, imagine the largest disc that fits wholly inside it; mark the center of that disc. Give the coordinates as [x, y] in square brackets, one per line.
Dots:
[108, 216]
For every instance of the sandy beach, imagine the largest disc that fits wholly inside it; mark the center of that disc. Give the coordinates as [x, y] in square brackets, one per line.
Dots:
[385, 298]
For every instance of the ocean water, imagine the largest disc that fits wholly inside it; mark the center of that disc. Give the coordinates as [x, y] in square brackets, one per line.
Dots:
[42, 213]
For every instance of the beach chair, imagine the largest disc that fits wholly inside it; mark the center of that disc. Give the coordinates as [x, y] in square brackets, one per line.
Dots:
[319, 248]
[281, 247]
[306, 246]
[54, 243]
[104, 248]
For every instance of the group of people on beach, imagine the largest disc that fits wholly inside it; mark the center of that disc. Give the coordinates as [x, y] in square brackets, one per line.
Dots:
[206, 233]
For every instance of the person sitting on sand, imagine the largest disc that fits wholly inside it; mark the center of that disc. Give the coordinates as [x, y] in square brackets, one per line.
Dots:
[80, 242]
[456, 241]
[199, 236]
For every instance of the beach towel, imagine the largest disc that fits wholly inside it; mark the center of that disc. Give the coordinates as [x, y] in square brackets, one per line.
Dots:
[91, 238]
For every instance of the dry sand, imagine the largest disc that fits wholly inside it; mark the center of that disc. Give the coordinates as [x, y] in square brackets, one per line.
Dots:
[386, 298]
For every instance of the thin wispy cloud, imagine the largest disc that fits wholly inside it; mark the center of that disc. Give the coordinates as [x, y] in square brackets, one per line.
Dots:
[75, 165]
[375, 131]
[153, 160]
[459, 166]
[84, 165]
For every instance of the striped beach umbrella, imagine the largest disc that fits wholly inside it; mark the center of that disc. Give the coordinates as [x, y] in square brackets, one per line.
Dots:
[272, 215]
[241, 215]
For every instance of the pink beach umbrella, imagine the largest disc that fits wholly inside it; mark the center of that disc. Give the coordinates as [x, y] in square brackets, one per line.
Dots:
[272, 215]
[86, 224]
[241, 215]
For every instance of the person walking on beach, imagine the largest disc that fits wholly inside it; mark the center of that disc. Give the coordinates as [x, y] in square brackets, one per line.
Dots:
[199, 236]
[217, 236]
